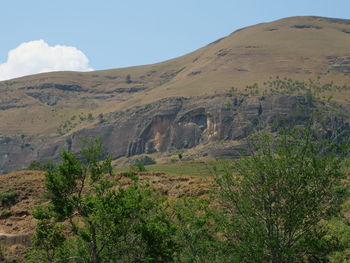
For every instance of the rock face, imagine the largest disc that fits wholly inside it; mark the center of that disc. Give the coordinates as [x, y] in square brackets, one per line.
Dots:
[180, 123]
[168, 124]
[174, 123]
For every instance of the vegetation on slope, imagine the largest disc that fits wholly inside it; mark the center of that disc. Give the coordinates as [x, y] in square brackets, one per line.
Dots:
[281, 204]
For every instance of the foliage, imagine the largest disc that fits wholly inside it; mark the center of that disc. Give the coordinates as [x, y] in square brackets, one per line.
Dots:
[48, 242]
[34, 165]
[275, 199]
[38, 166]
[338, 230]
[108, 223]
[101, 118]
[146, 160]
[2, 256]
[138, 165]
[128, 79]
[196, 231]
[8, 198]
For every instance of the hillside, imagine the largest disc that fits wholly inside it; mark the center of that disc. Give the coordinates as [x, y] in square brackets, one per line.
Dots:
[17, 223]
[173, 105]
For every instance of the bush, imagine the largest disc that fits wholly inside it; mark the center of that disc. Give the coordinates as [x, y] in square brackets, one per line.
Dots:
[38, 166]
[8, 198]
[35, 166]
[146, 160]
[139, 164]
[128, 79]
[275, 199]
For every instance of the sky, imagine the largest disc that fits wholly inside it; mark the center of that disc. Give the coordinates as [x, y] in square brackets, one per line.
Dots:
[83, 35]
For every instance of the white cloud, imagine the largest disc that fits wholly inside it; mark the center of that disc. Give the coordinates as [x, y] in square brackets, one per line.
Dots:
[38, 57]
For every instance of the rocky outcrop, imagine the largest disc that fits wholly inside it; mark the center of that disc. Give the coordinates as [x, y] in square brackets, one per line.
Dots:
[173, 123]
[182, 123]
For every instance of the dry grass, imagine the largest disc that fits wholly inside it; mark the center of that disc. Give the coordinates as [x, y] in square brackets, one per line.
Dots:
[250, 55]
[173, 180]
[29, 185]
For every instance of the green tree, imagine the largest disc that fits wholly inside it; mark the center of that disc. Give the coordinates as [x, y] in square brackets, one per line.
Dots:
[107, 222]
[276, 198]
[196, 231]
[47, 242]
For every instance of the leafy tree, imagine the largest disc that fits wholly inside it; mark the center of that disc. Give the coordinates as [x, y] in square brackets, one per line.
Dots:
[196, 231]
[107, 222]
[48, 242]
[276, 198]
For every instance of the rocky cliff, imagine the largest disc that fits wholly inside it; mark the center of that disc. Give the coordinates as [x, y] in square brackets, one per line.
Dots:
[165, 125]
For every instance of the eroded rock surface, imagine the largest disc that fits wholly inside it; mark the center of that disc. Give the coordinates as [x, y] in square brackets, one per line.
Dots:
[173, 123]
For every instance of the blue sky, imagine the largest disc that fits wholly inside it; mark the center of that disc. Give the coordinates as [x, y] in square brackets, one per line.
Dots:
[119, 33]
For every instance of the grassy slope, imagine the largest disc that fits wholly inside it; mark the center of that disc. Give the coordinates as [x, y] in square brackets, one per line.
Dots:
[250, 55]
[174, 179]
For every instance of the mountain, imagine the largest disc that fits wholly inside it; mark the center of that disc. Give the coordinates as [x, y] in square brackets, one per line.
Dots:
[190, 102]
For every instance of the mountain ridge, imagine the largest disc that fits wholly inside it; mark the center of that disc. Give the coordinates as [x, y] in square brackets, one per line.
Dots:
[41, 113]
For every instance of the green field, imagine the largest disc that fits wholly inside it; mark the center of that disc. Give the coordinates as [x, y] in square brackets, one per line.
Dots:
[184, 168]
[193, 168]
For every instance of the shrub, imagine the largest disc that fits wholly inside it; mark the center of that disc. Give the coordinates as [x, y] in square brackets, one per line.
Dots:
[128, 79]
[139, 164]
[276, 198]
[35, 166]
[8, 198]
[146, 160]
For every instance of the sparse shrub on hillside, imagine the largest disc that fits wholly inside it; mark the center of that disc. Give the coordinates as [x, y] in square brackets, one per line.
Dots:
[228, 106]
[146, 160]
[138, 164]
[5, 140]
[2, 256]
[101, 118]
[72, 122]
[90, 117]
[35, 166]
[8, 198]
[128, 79]
[38, 166]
